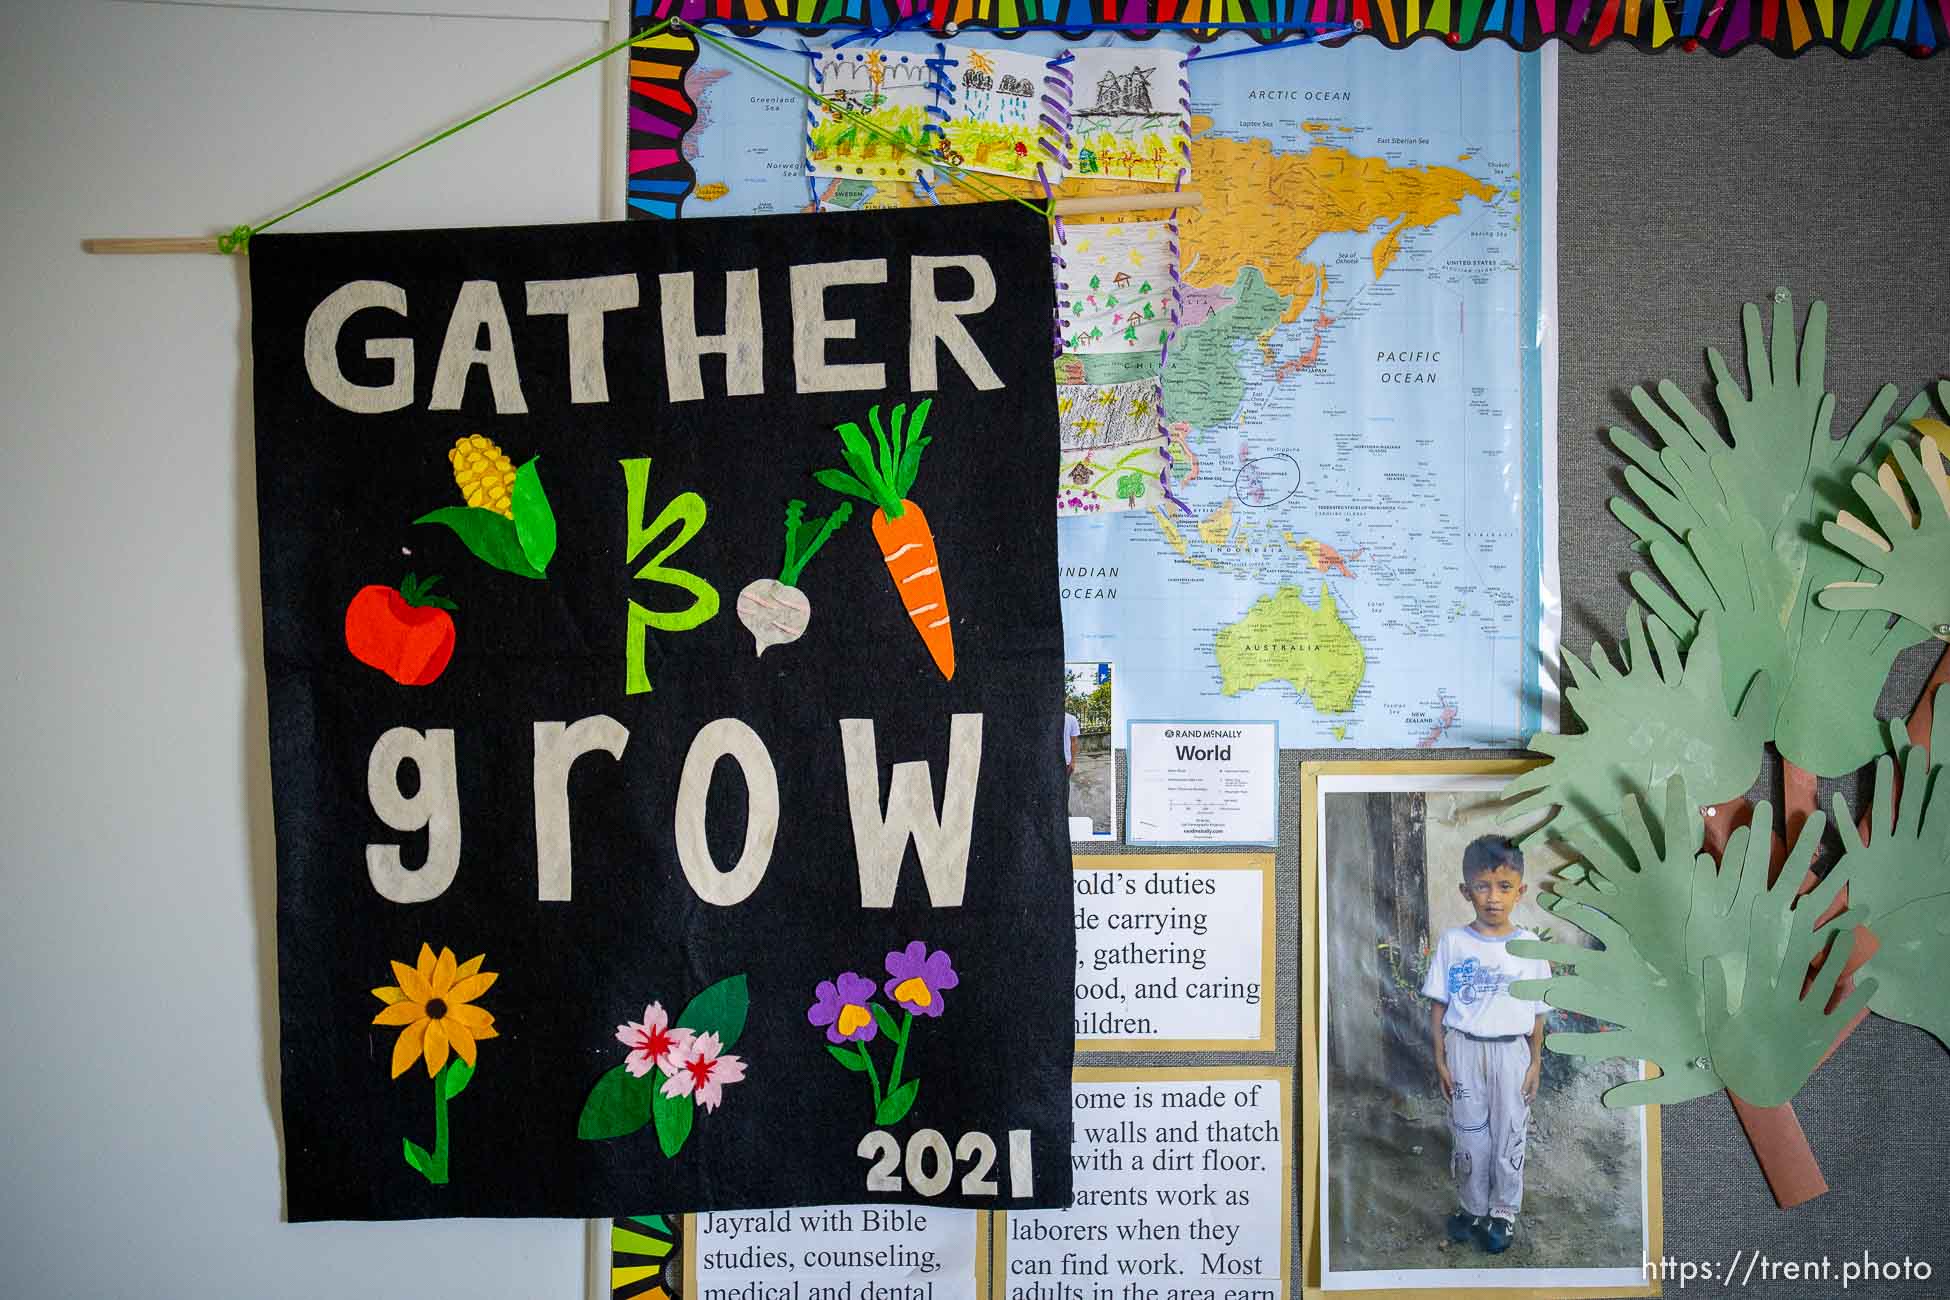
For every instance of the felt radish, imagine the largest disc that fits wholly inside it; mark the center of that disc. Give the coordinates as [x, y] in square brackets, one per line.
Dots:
[774, 610]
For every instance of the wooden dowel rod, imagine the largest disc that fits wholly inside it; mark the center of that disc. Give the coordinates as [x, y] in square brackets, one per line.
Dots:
[160, 244]
[1159, 201]
[1130, 203]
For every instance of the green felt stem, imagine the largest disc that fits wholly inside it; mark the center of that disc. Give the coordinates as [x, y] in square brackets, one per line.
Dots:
[438, 1174]
[796, 559]
[872, 1076]
[900, 1052]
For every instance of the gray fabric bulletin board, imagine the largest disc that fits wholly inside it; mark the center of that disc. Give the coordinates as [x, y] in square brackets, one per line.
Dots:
[1687, 186]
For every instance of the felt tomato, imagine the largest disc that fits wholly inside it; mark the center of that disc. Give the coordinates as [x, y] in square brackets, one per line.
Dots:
[405, 633]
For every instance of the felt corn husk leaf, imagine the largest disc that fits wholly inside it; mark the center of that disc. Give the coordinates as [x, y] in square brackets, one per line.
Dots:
[507, 521]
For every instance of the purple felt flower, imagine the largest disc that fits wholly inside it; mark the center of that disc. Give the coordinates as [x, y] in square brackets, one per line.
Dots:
[919, 976]
[842, 1009]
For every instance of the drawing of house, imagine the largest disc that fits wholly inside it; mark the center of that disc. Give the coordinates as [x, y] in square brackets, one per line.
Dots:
[1128, 92]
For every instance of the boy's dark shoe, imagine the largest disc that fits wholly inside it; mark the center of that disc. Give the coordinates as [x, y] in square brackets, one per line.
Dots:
[1496, 1235]
[1463, 1226]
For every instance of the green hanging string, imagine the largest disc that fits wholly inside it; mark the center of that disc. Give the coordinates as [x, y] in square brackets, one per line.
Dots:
[238, 239]
[972, 180]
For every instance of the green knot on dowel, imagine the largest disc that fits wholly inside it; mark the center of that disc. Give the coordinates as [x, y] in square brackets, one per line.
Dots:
[238, 240]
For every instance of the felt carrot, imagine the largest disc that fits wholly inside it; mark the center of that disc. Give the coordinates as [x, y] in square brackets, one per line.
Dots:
[883, 474]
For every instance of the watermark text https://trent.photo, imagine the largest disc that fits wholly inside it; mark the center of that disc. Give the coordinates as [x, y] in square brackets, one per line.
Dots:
[1747, 1267]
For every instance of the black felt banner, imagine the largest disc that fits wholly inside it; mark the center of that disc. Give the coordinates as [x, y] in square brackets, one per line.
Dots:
[752, 929]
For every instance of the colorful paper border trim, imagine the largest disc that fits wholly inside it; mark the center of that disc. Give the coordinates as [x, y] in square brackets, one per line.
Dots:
[1787, 27]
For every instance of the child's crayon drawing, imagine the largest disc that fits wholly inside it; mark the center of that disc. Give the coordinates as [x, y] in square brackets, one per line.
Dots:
[891, 91]
[1129, 115]
[1114, 286]
[995, 120]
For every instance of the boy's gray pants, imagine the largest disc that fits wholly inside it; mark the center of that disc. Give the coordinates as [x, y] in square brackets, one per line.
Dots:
[1488, 1120]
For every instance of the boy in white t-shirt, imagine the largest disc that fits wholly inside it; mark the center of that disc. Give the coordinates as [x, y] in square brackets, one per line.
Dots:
[1072, 731]
[1488, 1045]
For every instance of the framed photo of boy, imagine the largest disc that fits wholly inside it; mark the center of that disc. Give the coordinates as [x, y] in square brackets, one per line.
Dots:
[1445, 1148]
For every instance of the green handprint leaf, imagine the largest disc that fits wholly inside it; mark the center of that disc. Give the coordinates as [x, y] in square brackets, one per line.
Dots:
[1690, 945]
[1910, 555]
[1766, 1047]
[1909, 966]
[1729, 523]
[1827, 725]
[1899, 881]
[1636, 904]
[1661, 717]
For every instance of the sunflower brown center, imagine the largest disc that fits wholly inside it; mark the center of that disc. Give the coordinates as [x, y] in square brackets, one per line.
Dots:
[436, 1008]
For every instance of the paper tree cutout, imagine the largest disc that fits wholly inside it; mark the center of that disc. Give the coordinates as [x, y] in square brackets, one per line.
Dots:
[1909, 555]
[1731, 523]
[1702, 966]
[1663, 715]
[1899, 882]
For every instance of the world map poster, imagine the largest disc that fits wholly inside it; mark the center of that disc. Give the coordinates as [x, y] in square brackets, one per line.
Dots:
[1358, 539]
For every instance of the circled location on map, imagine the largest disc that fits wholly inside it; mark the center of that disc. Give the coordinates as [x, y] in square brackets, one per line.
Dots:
[1266, 480]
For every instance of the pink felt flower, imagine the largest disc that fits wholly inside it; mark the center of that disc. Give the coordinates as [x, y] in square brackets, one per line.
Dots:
[702, 1070]
[652, 1042]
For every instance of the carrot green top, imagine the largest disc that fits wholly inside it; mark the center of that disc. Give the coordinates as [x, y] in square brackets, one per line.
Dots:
[886, 478]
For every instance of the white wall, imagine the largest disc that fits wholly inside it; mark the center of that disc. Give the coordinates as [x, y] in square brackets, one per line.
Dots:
[139, 1150]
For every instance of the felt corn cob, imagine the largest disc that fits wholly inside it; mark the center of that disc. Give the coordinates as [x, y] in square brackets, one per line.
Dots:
[507, 521]
[484, 474]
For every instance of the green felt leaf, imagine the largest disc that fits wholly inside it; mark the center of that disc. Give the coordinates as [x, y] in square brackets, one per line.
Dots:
[674, 1117]
[618, 1105]
[455, 1077]
[885, 1019]
[1660, 717]
[719, 1009]
[910, 460]
[419, 1158]
[894, 1107]
[489, 534]
[534, 518]
[1731, 523]
[859, 459]
[1909, 562]
[839, 481]
[851, 1060]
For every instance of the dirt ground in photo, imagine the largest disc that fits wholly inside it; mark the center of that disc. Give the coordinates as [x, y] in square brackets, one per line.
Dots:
[1391, 1189]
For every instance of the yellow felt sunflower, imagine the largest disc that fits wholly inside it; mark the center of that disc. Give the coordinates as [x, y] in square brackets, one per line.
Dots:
[433, 1004]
